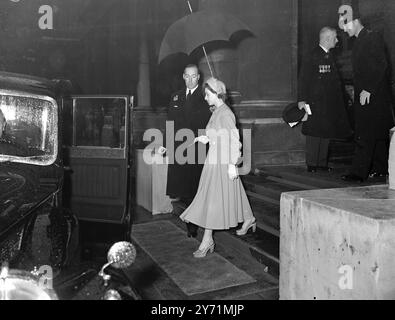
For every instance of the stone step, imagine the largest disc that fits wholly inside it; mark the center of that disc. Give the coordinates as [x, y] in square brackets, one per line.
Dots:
[267, 188]
[264, 192]
[316, 181]
[267, 223]
[267, 215]
[298, 177]
[264, 196]
[291, 183]
[260, 248]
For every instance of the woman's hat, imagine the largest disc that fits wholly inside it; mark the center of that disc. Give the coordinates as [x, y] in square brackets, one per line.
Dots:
[217, 85]
[292, 113]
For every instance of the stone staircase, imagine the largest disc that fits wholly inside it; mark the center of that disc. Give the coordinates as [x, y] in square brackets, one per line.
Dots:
[260, 250]
[264, 190]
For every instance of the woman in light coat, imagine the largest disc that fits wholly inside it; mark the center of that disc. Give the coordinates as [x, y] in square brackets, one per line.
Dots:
[220, 202]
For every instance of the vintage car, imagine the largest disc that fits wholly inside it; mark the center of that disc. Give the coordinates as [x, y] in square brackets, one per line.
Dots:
[64, 161]
[31, 167]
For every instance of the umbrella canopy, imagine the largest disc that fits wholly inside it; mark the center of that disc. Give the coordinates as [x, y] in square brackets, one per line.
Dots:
[195, 29]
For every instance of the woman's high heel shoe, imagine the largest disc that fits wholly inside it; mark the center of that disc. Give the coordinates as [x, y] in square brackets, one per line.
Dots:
[201, 253]
[244, 229]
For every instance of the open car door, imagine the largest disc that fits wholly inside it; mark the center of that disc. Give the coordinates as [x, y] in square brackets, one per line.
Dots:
[96, 141]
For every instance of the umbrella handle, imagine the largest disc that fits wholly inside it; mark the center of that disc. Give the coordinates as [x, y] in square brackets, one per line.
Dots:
[189, 5]
[208, 62]
[204, 49]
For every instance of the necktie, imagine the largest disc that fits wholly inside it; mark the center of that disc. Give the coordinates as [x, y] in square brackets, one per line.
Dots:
[189, 94]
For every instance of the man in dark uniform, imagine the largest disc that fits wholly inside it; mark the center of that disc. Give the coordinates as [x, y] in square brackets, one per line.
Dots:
[321, 95]
[187, 110]
[372, 102]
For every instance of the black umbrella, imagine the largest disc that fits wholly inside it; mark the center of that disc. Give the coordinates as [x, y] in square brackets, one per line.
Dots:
[198, 28]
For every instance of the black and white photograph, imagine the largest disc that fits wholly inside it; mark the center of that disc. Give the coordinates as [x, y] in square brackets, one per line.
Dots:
[197, 155]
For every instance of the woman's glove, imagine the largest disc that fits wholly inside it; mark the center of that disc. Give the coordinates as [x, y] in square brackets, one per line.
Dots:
[232, 172]
[202, 139]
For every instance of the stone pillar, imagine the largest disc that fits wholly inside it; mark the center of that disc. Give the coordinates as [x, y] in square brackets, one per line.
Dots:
[391, 161]
[224, 65]
[143, 85]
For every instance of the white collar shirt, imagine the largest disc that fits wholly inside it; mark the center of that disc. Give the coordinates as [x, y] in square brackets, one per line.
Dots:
[192, 91]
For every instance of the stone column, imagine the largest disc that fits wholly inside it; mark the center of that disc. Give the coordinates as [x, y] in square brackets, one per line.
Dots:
[143, 85]
[224, 65]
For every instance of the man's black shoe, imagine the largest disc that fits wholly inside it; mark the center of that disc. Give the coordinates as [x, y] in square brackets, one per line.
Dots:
[352, 178]
[377, 175]
[311, 169]
[327, 169]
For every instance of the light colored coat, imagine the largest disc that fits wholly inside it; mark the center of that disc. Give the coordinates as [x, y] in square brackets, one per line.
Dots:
[220, 203]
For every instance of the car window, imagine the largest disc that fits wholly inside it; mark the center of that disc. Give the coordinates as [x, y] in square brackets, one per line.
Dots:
[29, 132]
[99, 122]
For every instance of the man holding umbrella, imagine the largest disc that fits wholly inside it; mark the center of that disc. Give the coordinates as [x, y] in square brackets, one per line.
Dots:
[187, 110]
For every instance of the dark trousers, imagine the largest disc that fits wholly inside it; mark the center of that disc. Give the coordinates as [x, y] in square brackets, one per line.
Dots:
[371, 155]
[317, 151]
